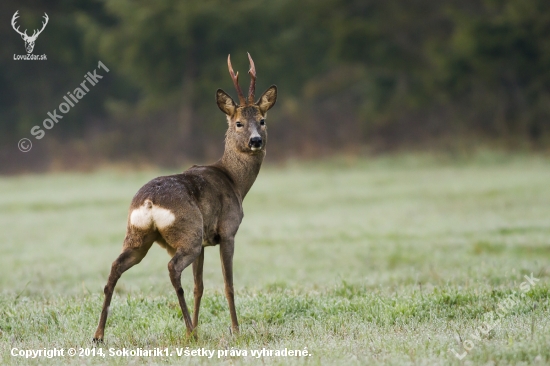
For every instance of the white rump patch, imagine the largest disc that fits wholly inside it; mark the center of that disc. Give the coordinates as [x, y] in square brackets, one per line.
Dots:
[162, 217]
[149, 214]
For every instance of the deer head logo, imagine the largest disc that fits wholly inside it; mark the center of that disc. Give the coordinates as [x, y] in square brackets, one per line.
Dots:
[29, 40]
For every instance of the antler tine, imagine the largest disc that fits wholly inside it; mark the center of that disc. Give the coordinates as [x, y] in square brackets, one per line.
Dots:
[235, 78]
[13, 19]
[46, 18]
[252, 73]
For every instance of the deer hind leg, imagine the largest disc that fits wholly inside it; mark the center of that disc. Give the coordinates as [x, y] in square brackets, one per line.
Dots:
[188, 249]
[131, 255]
[197, 275]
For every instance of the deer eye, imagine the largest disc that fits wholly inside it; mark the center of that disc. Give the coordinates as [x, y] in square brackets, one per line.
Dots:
[262, 122]
[239, 124]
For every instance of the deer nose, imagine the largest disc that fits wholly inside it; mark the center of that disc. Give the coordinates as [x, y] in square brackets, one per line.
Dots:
[255, 142]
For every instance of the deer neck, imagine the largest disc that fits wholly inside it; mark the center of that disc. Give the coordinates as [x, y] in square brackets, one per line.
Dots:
[243, 168]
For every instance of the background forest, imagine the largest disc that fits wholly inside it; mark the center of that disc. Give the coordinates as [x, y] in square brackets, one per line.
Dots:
[354, 77]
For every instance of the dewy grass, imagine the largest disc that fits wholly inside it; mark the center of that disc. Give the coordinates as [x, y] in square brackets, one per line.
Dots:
[371, 262]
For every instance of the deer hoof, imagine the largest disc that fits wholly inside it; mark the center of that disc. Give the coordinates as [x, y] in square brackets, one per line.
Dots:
[192, 335]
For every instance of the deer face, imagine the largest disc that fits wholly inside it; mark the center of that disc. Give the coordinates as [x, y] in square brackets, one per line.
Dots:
[247, 130]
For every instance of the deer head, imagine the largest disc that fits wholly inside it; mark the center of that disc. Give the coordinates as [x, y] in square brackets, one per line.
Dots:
[29, 40]
[247, 131]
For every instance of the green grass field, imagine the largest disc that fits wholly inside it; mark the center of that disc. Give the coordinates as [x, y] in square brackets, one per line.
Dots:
[392, 260]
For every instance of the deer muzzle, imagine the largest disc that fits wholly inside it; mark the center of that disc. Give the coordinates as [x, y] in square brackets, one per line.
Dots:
[255, 143]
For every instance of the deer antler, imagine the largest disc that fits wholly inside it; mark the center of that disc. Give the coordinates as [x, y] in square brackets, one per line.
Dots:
[252, 73]
[235, 78]
[13, 19]
[34, 34]
[43, 26]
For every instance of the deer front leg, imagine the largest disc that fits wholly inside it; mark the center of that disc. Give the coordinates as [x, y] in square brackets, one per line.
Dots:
[226, 254]
[197, 274]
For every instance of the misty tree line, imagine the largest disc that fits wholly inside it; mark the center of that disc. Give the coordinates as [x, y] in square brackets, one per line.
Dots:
[352, 74]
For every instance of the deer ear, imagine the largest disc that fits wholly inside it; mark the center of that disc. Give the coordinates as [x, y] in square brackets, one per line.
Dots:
[268, 99]
[225, 103]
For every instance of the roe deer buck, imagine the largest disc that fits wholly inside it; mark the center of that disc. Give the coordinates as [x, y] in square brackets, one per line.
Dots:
[200, 207]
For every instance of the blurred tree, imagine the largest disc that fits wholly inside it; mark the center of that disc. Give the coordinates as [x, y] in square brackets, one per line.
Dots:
[499, 68]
